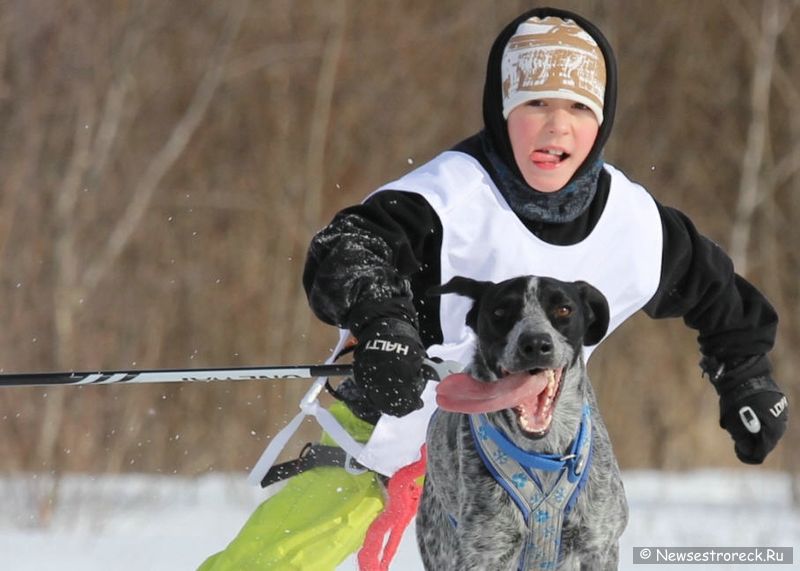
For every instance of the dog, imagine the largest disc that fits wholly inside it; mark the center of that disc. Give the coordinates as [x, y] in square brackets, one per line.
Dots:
[567, 509]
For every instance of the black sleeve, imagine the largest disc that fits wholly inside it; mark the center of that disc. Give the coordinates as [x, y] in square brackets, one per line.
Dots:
[379, 254]
[698, 283]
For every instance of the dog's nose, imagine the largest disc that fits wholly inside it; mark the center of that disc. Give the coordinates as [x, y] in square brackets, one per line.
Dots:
[533, 345]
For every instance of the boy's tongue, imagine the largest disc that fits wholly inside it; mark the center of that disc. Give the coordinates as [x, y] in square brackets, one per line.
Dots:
[544, 157]
[462, 393]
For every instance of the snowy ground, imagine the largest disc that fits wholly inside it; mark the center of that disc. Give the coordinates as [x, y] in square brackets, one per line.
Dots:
[146, 523]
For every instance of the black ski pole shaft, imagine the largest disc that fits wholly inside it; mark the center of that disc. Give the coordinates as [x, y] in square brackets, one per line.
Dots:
[173, 375]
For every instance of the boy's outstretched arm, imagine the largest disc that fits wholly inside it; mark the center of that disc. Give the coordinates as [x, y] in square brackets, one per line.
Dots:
[737, 327]
[358, 275]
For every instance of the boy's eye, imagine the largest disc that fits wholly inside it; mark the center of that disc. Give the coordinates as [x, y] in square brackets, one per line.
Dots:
[580, 106]
[536, 103]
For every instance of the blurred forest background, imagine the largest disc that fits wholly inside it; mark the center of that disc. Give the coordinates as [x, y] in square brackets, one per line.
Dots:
[164, 164]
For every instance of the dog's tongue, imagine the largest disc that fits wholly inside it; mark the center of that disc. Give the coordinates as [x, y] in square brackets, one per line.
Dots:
[462, 393]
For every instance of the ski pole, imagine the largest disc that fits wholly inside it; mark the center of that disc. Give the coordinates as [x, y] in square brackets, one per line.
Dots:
[173, 375]
[431, 370]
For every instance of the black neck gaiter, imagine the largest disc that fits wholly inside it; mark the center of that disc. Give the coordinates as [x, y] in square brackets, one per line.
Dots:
[531, 205]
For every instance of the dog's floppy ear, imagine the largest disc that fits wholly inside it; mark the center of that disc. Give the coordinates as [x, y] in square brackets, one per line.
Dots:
[467, 287]
[462, 286]
[595, 308]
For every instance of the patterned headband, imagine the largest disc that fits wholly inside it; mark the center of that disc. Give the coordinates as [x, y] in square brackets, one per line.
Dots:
[553, 58]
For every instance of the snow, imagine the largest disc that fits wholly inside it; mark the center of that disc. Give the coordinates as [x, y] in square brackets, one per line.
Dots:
[136, 522]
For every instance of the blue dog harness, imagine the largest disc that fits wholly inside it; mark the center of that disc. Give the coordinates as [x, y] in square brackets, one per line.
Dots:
[515, 470]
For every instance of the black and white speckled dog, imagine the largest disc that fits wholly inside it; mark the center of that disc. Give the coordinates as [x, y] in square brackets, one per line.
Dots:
[521, 474]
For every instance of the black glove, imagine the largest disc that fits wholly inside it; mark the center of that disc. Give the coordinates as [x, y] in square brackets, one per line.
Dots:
[387, 365]
[752, 407]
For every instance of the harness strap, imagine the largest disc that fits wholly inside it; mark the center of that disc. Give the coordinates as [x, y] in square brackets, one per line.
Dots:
[311, 456]
[309, 406]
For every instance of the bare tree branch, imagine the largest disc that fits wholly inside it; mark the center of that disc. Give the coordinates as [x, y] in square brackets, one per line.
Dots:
[114, 106]
[65, 277]
[66, 200]
[271, 55]
[787, 167]
[317, 141]
[789, 89]
[169, 153]
[753, 158]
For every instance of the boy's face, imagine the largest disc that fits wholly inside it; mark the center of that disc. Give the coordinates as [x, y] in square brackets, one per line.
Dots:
[551, 138]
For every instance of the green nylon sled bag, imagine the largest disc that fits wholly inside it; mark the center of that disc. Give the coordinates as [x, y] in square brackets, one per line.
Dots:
[313, 523]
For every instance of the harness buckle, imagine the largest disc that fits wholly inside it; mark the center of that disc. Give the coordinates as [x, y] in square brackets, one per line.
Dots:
[352, 467]
[579, 464]
[574, 462]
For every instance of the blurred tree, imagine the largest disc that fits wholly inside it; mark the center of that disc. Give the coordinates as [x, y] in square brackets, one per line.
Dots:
[165, 164]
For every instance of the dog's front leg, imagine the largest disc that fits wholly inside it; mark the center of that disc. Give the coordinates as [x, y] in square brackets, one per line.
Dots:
[608, 560]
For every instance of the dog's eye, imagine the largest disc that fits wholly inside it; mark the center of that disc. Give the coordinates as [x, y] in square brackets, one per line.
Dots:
[563, 311]
[499, 313]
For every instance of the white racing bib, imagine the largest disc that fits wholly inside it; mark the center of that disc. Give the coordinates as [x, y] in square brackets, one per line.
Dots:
[483, 239]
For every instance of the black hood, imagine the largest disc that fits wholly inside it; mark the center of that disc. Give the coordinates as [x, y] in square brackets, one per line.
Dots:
[494, 123]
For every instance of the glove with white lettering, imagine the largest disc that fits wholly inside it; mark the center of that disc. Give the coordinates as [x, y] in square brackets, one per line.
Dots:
[387, 364]
[752, 407]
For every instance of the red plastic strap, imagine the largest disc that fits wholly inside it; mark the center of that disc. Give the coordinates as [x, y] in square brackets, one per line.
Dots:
[404, 494]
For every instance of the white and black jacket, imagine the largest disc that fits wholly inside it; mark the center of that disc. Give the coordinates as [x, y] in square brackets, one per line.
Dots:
[379, 258]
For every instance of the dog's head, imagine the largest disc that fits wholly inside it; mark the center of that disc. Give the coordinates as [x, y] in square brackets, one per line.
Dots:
[532, 329]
